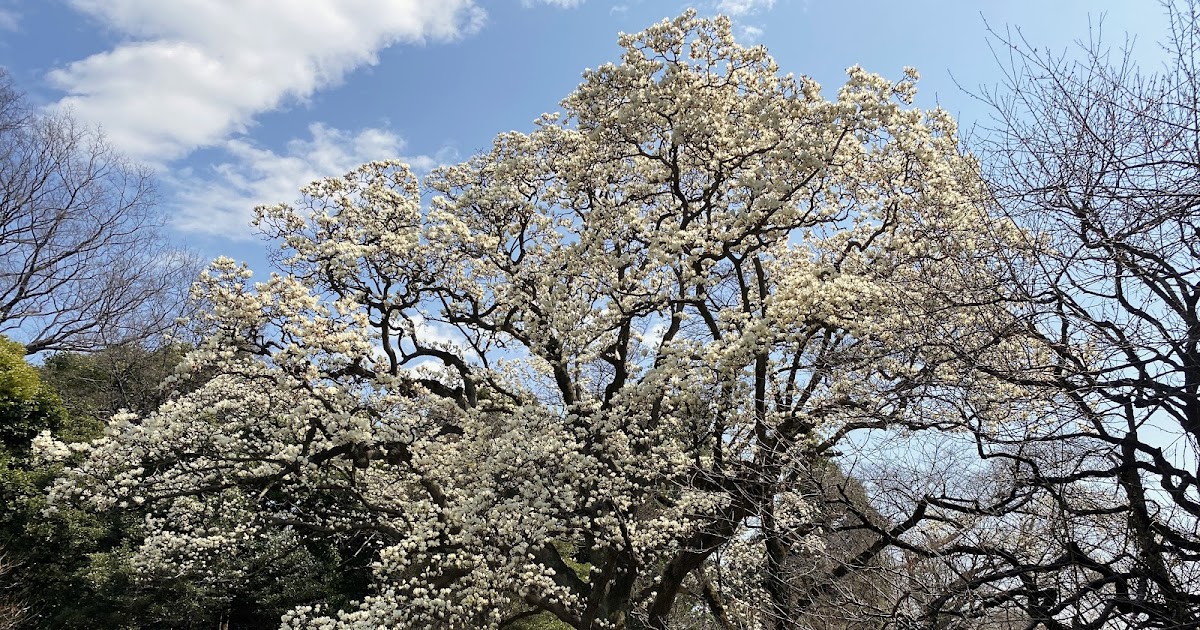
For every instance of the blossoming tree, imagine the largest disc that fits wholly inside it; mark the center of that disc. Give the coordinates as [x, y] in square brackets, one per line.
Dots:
[588, 378]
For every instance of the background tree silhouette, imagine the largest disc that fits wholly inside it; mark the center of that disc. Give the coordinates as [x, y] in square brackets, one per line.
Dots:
[84, 261]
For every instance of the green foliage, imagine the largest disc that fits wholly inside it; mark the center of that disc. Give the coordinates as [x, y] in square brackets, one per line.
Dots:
[44, 552]
[27, 405]
[540, 621]
[131, 377]
[74, 568]
[102, 588]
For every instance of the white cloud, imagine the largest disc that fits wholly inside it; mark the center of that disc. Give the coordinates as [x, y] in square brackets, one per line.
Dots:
[192, 72]
[438, 334]
[750, 33]
[737, 8]
[562, 4]
[220, 200]
[9, 19]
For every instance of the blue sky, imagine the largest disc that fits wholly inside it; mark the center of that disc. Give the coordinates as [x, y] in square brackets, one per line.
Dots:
[240, 102]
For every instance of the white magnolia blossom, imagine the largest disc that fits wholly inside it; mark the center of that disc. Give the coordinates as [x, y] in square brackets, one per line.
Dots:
[670, 300]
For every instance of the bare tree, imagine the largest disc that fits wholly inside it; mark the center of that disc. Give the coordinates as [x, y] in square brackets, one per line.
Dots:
[83, 259]
[1094, 515]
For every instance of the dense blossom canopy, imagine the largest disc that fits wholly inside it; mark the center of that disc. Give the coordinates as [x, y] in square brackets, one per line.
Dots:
[589, 376]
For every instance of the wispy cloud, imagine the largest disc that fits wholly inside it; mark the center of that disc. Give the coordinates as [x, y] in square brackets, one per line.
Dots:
[743, 11]
[190, 73]
[220, 200]
[738, 8]
[562, 4]
[9, 19]
[750, 33]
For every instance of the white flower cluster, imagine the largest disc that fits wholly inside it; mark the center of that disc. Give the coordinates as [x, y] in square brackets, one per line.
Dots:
[792, 255]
